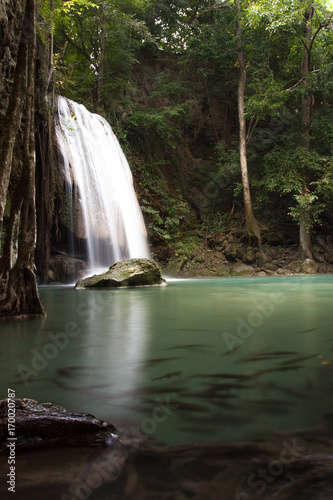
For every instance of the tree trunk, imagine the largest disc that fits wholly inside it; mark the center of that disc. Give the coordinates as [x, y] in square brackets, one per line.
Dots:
[51, 68]
[22, 298]
[305, 244]
[45, 196]
[101, 62]
[252, 226]
[10, 247]
[12, 121]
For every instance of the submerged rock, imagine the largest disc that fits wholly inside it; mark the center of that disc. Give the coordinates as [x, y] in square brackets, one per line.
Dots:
[40, 424]
[130, 272]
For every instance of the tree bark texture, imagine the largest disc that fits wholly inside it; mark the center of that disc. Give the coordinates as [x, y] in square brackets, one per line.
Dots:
[45, 196]
[10, 246]
[252, 226]
[22, 298]
[11, 123]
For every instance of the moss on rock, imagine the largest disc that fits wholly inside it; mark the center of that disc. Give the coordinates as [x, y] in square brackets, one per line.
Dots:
[130, 272]
[309, 267]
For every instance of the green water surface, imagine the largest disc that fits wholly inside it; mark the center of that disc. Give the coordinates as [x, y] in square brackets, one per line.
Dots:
[197, 361]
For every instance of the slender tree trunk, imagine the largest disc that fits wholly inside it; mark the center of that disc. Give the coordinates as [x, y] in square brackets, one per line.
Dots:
[305, 244]
[252, 226]
[101, 62]
[51, 68]
[45, 197]
[22, 298]
[45, 162]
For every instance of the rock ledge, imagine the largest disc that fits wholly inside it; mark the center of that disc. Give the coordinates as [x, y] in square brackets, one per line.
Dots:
[40, 424]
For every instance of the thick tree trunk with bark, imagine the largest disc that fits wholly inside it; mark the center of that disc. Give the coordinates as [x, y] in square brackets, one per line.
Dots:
[11, 124]
[22, 298]
[252, 226]
[10, 247]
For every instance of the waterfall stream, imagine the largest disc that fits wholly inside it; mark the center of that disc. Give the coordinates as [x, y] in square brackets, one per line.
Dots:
[102, 205]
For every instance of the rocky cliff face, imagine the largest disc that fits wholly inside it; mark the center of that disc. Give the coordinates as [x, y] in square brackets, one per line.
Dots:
[187, 159]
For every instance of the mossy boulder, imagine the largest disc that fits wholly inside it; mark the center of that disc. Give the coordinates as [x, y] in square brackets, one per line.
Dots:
[309, 267]
[125, 273]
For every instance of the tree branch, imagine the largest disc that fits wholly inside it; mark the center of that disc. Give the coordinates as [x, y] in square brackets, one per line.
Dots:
[298, 36]
[214, 7]
[82, 49]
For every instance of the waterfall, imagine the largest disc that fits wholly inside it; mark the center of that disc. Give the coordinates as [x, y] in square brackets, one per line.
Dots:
[103, 208]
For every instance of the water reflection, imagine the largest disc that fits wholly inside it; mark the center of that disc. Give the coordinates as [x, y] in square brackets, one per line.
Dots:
[88, 349]
[135, 346]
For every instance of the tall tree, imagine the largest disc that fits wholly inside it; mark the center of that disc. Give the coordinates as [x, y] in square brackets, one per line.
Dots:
[252, 226]
[101, 57]
[21, 298]
[301, 21]
[311, 33]
[305, 232]
[11, 123]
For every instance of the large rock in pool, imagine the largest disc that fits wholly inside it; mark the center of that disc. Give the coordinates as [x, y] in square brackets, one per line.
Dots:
[40, 424]
[131, 272]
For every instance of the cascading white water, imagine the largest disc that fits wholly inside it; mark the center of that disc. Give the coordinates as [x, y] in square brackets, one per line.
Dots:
[100, 192]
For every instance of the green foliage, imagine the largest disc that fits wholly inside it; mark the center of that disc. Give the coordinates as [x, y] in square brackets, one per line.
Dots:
[171, 72]
[164, 213]
[307, 209]
[78, 43]
[286, 171]
[228, 159]
[165, 224]
[285, 15]
[168, 89]
[172, 22]
[322, 130]
[162, 120]
[268, 96]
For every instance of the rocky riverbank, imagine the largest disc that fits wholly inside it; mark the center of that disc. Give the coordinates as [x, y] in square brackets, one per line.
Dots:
[227, 257]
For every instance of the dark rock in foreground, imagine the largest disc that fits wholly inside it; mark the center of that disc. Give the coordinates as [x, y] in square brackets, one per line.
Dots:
[40, 424]
[131, 272]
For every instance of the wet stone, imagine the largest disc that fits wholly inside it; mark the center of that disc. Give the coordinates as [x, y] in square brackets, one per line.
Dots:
[130, 272]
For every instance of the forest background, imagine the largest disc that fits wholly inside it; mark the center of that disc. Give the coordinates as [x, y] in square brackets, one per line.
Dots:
[224, 111]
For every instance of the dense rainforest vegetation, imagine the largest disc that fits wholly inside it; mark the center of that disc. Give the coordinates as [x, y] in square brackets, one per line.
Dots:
[223, 108]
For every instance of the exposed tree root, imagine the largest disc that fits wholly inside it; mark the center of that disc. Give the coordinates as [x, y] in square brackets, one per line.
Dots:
[22, 299]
